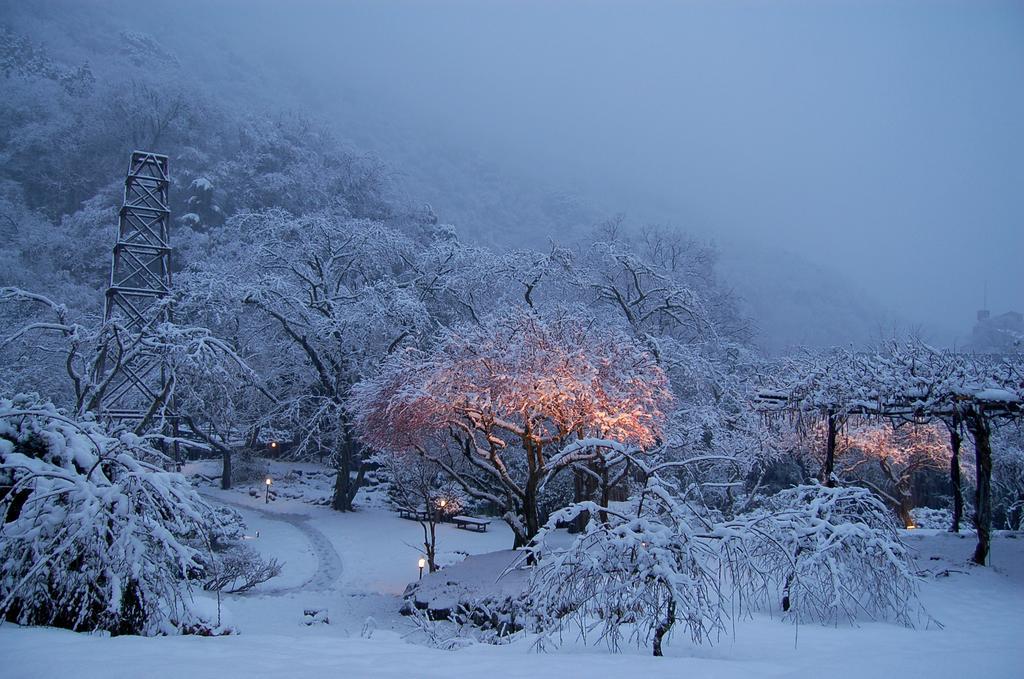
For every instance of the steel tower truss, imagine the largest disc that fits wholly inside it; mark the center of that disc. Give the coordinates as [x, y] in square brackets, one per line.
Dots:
[139, 292]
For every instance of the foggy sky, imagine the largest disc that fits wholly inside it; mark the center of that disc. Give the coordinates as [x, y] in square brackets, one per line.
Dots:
[882, 140]
[885, 140]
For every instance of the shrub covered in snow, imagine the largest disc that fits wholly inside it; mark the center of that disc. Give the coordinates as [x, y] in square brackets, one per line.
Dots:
[248, 468]
[239, 568]
[225, 527]
[93, 538]
[643, 574]
[483, 591]
[830, 554]
[926, 517]
[827, 554]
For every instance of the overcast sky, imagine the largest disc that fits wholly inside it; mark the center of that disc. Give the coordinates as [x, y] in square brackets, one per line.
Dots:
[884, 140]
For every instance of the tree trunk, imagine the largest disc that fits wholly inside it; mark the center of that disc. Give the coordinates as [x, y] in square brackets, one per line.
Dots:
[903, 510]
[605, 494]
[225, 451]
[664, 627]
[514, 518]
[531, 515]
[979, 427]
[580, 494]
[956, 487]
[830, 452]
[342, 500]
[225, 474]
[345, 488]
[525, 515]
[430, 544]
[788, 587]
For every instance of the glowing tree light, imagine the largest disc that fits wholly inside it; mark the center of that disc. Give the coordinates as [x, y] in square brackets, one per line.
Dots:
[898, 454]
[495, 405]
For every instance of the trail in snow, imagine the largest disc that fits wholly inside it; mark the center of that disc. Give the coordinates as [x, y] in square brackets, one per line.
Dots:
[329, 565]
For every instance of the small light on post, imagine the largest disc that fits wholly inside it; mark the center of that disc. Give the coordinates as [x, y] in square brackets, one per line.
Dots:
[423, 562]
[273, 445]
[267, 498]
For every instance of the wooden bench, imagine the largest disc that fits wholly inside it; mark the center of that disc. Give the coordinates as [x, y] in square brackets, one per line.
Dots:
[470, 523]
[414, 514]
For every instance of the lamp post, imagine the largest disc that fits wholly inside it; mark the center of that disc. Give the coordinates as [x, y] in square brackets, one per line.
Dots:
[267, 497]
[423, 562]
[441, 505]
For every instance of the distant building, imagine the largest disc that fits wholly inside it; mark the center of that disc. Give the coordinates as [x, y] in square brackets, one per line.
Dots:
[999, 334]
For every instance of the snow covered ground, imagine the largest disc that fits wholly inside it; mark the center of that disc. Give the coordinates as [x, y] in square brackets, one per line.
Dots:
[356, 566]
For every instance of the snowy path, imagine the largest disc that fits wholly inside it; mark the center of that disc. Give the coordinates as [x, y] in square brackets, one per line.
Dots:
[329, 567]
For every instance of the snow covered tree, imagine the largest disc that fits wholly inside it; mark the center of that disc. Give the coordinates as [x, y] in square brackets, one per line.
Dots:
[421, 489]
[95, 358]
[20, 55]
[661, 286]
[899, 454]
[493, 404]
[94, 535]
[337, 300]
[911, 382]
[1008, 476]
[645, 572]
[828, 554]
[831, 554]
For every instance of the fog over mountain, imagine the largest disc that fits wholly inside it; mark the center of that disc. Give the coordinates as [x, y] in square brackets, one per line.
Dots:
[859, 164]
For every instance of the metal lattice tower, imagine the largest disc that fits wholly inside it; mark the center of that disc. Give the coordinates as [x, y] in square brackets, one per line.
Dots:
[140, 285]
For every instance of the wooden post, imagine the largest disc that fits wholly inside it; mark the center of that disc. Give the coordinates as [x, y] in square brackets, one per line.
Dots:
[979, 426]
[225, 473]
[830, 452]
[956, 487]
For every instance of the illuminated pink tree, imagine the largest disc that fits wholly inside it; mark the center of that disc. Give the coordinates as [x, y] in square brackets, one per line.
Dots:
[900, 453]
[496, 405]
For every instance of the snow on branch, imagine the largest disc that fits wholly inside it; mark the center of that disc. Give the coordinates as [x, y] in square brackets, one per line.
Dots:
[92, 537]
[630, 578]
[826, 554]
[905, 380]
[519, 398]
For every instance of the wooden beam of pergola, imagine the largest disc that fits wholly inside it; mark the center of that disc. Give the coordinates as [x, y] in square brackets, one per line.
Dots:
[912, 383]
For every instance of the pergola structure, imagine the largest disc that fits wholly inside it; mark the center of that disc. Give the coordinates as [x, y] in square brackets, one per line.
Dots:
[909, 383]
